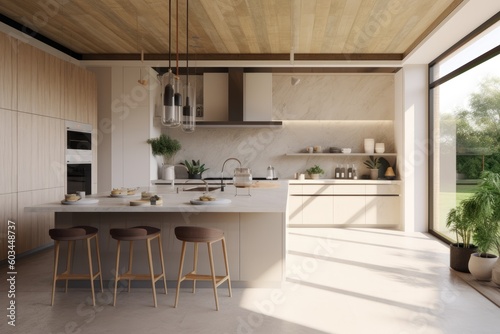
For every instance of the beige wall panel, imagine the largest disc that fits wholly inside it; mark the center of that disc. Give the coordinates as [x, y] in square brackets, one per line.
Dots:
[26, 159]
[8, 72]
[25, 74]
[8, 147]
[54, 73]
[8, 211]
[69, 79]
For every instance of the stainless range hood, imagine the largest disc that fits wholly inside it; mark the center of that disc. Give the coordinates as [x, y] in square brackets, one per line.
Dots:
[236, 105]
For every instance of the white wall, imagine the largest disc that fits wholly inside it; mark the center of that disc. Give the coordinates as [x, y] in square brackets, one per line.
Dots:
[412, 127]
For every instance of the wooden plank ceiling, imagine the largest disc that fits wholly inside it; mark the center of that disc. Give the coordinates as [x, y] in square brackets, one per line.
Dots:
[235, 29]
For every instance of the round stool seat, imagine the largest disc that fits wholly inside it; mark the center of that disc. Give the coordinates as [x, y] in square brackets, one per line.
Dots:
[72, 233]
[134, 233]
[198, 234]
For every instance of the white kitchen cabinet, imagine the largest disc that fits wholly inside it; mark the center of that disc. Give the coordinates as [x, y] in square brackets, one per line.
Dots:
[317, 210]
[295, 209]
[257, 96]
[215, 97]
[383, 210]
[349, 210]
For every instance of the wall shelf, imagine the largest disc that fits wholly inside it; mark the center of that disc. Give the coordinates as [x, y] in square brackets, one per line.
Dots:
[341, 154]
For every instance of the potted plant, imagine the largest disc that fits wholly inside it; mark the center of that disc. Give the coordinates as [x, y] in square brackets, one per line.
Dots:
[484, 206]
[373, 165]
[315, 172]
[194, 168]
[165, 147]
[460, 251]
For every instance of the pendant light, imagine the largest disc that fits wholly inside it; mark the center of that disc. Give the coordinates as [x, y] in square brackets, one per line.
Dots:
[170, 116]
[177, 79]
[188, 111]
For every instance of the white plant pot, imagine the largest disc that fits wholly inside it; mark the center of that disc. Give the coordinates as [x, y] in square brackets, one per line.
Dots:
[495, 274]
[168, 172]
[481, 268]
[314, 176]
[374, 174]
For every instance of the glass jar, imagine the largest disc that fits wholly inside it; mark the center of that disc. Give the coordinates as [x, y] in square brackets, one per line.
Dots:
[242, 177]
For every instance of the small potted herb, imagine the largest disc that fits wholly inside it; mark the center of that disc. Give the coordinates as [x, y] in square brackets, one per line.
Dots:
[195, 168]
[315, 172]
[373, 165]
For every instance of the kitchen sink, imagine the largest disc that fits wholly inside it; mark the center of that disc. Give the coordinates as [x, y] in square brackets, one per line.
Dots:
[202, 188]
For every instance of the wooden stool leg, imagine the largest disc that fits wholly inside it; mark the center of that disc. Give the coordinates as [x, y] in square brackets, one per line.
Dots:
[98, 260]
[224, 251]
[130, 257]
[179, 277]
[54, 278]
[71, 245]
[212, 269]
[195, 265]
[151, 270]
[91, 272]
[116, 270]
[162, 264]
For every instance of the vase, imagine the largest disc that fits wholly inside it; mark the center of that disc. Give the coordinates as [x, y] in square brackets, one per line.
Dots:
[168, 172]
[374, 174]
[379, 147]
[369, 145]
[481, 267]
[459, 257]
[194, 176]
[495, 273]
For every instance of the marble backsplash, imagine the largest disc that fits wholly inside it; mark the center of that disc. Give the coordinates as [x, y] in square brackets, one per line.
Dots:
[258, 148]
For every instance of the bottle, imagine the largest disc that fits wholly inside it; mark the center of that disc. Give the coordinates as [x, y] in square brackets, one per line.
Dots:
[354, 172]
[342, 172]
[349, 172]
[270, 172]
[337, 172]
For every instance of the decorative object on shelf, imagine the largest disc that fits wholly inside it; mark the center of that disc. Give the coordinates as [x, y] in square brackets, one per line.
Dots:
[379, 148]
[389, 173]
[167, 148]
[335, 150]
[194, 168]
[373, 165]
[382, 169]
[369, 145]
[315, 172]
[317, 149]
[309, 149]
[346, 150]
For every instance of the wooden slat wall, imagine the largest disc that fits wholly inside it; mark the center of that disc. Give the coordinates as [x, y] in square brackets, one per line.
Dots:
[236, 26]
[38, 92]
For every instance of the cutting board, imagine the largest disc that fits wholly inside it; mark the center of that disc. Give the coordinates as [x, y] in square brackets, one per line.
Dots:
[265, 184]
[145, 202]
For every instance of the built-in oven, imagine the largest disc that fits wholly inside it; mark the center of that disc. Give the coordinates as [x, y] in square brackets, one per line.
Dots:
[78, 157]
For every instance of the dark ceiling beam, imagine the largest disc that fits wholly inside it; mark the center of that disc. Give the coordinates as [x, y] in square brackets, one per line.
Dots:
[285, 70]
[36, 35]
[252, 57]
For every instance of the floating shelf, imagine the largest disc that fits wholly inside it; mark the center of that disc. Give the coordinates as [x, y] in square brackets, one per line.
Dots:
[342, 154]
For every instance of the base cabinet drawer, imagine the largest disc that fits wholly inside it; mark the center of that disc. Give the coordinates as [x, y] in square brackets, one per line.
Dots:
[349, 210]
[317, 210]
[383, 210]
[294, 207]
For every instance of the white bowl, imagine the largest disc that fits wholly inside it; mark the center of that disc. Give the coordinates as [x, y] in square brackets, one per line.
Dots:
[346, 150]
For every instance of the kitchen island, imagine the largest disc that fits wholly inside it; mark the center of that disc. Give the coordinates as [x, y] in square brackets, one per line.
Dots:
[254, 227]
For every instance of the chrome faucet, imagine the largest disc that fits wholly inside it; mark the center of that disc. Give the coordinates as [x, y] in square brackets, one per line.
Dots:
[202, 180]
[222, 172]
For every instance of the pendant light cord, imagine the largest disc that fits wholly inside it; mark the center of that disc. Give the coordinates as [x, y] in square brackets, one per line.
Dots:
[177, 39]
[169, 32]
[187, 42]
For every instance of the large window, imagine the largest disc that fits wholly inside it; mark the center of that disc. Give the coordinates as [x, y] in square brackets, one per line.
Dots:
[464, 95]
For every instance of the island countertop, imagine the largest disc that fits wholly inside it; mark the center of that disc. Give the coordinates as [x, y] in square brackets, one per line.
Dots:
[266, 196]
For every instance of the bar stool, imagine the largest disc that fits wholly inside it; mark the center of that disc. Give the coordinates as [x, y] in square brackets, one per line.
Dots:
[71, 235]
[209, 236]
[137, 233]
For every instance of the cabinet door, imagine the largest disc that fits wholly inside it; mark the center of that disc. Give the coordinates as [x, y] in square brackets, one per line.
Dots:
[349, 210]
[317, 210]
[294, 210]
[383, 210]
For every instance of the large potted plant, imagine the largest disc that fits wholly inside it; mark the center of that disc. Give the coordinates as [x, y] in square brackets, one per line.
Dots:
[484, 206]
[165, 147]
[458, 222]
